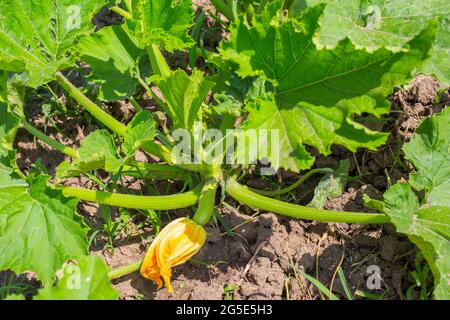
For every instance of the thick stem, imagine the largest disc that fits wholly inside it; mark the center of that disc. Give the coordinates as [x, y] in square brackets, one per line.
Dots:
[176, 201]
[206, 203]
[158, 150]
[122, 12]
[224, 9]
[135, 104]
[51, 142]
[246, 196]
[123, 271]
[90, 106]
[293, 186]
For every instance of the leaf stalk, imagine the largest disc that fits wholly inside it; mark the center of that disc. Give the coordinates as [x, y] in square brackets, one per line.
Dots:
[244, 195]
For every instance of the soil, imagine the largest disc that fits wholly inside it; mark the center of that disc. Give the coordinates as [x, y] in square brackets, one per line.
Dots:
[418, 100]
[265, 256]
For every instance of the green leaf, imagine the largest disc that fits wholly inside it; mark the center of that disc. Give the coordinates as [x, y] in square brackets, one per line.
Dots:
[37, 37]
[439, 62]
[86, 280]
[331, 185]
[9, 124]
[391, 24]
[140, 130]
[235, 92]
[184, 96]
[317, 92]
[39, 227]
[113, 55]
[429, 151]
[283, 50]
[307, 124]
[427, 227]
[377, 23]
[164, 22]
[97, 151]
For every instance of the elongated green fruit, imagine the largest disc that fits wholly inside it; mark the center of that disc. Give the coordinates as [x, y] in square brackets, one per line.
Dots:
[176, 201]
[90, 106]
[244, 195]
[51, 142]
[206, 203]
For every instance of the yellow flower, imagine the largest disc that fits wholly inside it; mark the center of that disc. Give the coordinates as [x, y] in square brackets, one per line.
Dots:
[176, 243]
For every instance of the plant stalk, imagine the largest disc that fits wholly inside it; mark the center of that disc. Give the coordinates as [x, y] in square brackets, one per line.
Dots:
[90, 106]
[244, 195]
[51, 142]
[123, 271]
[122, 12]
[176, 201]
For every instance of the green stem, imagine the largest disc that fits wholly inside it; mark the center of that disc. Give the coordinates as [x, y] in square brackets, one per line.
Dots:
[123, 271]
[223, 8]
[122, 12]
[176, 201]
[292, 186]
[51, 142]
[159, 64]
[90, 106]
[250, 198]
[129, 6]
[161, 171]
[158, 150]
[150, 92]
[206, 203]
[135, 104]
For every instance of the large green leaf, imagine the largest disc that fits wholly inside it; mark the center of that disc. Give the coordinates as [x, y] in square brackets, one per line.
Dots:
[317, 90]
[375, 23]
[38, 36]
[429, 151]
[439, 62]
[427, 224]
[39, 228]
[307, 124]
[86, 280]
[184, 96]
[428, 227]
[113, 55]
[163, 22]
[379, 23]
[97, 151]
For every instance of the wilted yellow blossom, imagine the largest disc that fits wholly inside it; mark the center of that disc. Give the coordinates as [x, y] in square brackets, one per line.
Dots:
[176, 243]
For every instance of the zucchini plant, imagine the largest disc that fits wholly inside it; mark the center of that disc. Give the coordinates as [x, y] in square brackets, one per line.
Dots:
[285, 77]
